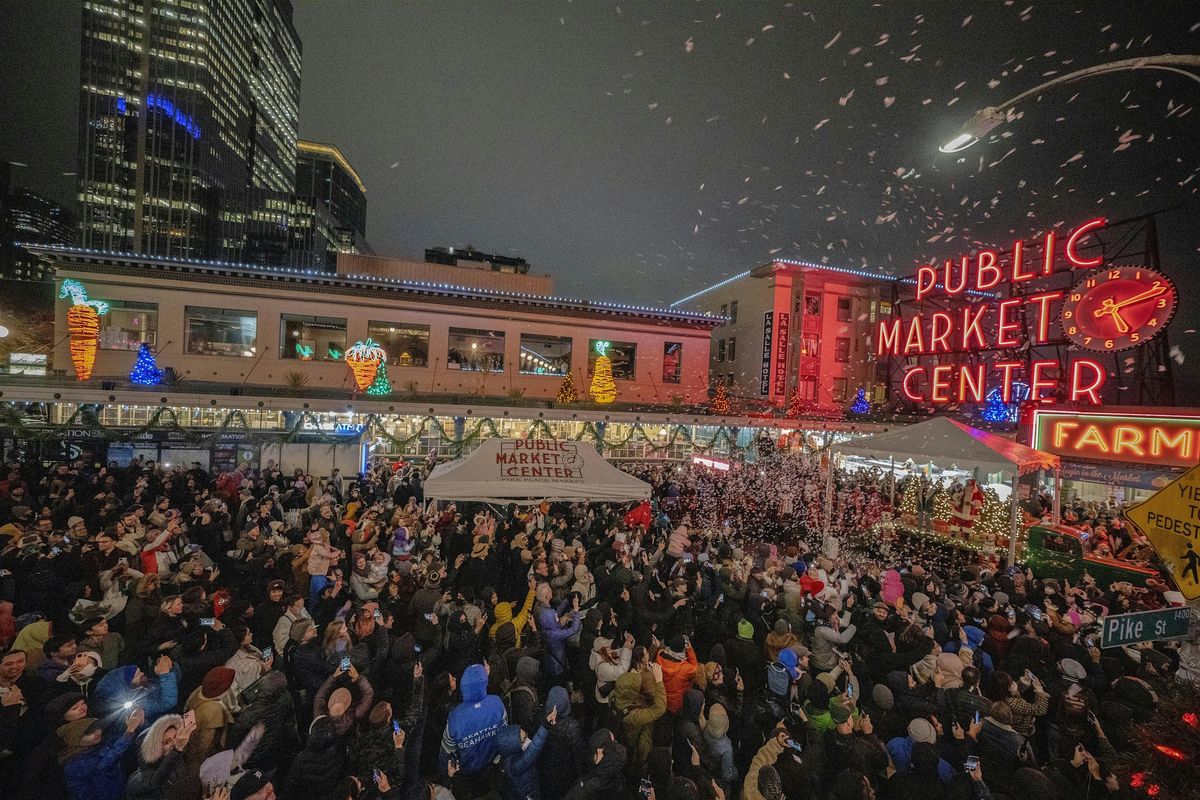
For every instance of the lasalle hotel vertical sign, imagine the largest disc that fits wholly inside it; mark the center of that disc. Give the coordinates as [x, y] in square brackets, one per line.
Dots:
[772, 379]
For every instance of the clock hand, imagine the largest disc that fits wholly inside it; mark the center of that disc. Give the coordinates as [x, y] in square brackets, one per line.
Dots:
[1110, 308]
[1137, 298]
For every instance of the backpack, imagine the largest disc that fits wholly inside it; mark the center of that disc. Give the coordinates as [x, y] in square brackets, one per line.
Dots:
[508, 698]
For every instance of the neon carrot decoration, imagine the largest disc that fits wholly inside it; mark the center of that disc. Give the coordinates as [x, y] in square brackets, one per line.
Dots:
[83, 327]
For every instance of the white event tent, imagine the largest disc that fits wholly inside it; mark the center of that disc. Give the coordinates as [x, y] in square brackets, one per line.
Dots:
[531, 470]
[948, 443]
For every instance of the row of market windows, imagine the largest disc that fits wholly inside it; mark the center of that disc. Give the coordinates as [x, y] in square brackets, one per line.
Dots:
[226, 332]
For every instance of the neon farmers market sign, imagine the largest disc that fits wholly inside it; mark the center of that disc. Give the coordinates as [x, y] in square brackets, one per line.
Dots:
[1110, 309]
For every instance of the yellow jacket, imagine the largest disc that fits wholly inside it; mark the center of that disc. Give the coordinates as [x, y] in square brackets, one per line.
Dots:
[503, 613]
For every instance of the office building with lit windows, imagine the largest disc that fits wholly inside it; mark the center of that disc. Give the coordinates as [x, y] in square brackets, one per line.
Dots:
[324, 174]
[186, 105]
[798, 329]
[27, 216]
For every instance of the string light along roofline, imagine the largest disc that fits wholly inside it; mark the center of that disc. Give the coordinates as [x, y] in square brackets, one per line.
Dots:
[375, 280]
[859, 273]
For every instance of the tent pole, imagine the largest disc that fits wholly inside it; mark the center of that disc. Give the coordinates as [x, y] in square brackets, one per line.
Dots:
[1013, 518]
[1058, 495]
[892, 486]
[828, 496]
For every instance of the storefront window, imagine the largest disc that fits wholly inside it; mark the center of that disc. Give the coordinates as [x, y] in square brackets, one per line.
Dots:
[545, 355]
[221, 332]
[128, 324]
[476, 350]
[672, 361]
[312, 338]
[622, 354]
[406, 345]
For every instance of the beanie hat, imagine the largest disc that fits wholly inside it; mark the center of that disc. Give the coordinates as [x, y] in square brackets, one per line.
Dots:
[769, 784]
[340, 695]
[72, 732]
[881, 695]
[919, 730]
[217, 682]
[838, 712]
[782, 628]
[920, 600]
[745, 629]
[676, 644]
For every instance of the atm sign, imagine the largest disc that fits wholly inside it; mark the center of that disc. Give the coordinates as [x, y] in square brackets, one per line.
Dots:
[1161, 441]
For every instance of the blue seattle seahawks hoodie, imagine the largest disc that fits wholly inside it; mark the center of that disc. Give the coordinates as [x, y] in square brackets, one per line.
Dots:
[473, 724]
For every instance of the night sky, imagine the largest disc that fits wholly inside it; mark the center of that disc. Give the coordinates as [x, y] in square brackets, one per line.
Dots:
[642, 151]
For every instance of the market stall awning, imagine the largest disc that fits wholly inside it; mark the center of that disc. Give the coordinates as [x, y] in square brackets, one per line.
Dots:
[530, 470]
[947, 443]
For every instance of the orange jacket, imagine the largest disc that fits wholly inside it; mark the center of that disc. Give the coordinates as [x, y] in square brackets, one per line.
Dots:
[678, 677]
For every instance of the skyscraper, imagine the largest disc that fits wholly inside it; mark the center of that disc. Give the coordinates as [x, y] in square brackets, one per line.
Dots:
[323, 173]
[29, 217]
[186, 105]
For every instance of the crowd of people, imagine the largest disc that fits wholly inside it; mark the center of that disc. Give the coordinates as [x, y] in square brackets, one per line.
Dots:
[167, 633]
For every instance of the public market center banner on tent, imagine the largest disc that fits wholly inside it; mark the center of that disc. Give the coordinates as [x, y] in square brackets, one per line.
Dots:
[528, 470]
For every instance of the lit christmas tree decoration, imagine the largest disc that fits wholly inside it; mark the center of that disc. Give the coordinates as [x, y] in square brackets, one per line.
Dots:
[860, 404]
[997, 410]
[720, 401]
[566, 391]
[145, 370]
[381, 385]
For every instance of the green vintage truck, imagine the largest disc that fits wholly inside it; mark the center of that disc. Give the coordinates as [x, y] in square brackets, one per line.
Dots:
[1056, 551]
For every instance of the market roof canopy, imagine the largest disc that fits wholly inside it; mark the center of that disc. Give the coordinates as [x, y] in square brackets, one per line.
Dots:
[529, 470]
[947, 443]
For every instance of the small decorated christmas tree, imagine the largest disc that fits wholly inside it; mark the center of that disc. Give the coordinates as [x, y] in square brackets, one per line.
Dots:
[910, 502]
[145, 371]
[860, 404]
[720, 402]
[603, 388]
[566, 391]
[996, 410]
[381, 385]
[940, 512]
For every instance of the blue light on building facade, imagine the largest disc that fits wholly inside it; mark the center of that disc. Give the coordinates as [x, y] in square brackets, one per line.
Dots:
[168, 108]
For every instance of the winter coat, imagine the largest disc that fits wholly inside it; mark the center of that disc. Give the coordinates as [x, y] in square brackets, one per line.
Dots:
[503, 612]
[315, 772]
[554, 637]
[163, 778]
[270, 703]
[309, 666]
[638, 713]
[159, 696]
[824, 640]
[603, 779]
[472, 725]
[678, 676]
[565, 750]
[96, 773]
[520, 767]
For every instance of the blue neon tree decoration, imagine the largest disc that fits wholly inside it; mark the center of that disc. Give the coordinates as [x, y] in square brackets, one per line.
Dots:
[997, 410]
[145, 371]
[860, 404]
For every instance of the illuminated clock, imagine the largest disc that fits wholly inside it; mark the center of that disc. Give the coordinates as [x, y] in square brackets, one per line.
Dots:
[1118, 308]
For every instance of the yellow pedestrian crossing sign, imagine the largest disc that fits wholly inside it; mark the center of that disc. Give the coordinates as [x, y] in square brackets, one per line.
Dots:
[1170, 518]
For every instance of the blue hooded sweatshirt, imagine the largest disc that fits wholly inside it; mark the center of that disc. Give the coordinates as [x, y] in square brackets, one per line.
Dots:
[900, 749]
[473, 724]
[520, 766]
[159, 696]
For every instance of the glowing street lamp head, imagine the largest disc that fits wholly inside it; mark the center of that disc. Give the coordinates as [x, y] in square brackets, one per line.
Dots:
[973, 130]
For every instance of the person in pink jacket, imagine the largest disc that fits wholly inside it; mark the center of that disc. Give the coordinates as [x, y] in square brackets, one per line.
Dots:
[322, 556]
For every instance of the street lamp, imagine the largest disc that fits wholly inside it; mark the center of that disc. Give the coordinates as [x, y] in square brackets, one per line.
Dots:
[985, 120]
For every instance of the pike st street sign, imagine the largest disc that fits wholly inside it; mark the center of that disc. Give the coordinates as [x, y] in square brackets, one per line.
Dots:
[1145, 626]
